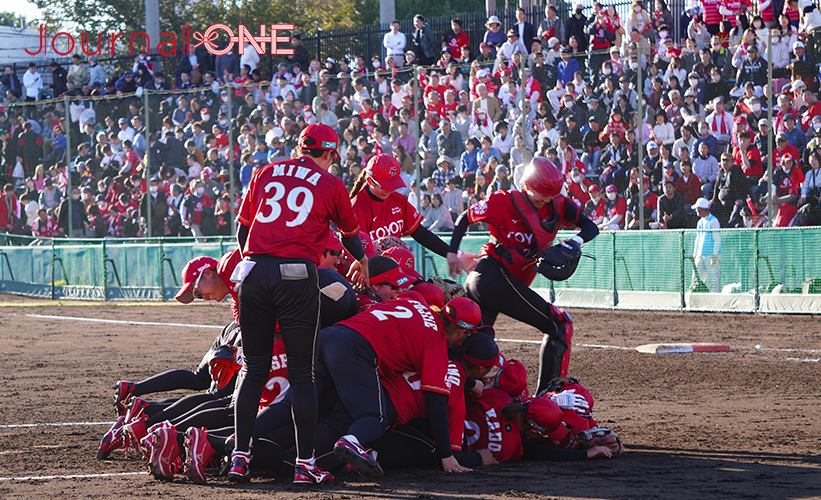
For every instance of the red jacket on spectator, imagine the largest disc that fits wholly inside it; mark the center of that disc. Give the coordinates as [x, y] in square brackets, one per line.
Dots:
[689, 189]
[809, 114]
[756, 167]
[47, 229]
[788, 150]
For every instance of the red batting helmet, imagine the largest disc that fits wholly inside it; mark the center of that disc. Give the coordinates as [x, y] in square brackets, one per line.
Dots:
[384, 170]
[464, 313]
[319, 136]
[543, 177]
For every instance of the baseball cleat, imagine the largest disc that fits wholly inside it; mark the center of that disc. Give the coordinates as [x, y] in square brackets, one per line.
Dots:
[310, 474]
[349, 450]
[112, 440]
[198, 453]
[122, 393]
[136, 409]
[133, 434]
[240, 467]
[164, 452]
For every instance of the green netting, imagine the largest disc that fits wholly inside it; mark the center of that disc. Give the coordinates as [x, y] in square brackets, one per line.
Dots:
[632, 269]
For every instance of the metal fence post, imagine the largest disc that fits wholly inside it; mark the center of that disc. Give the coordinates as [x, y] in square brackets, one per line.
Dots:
[231, 175]
[681, 266]
[162, 271]
[146, 165]
[52, 268]
[105, 273]
[755, 269]
[615, 284]
[67, 194]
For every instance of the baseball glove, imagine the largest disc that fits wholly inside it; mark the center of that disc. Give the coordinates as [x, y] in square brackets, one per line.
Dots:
[387, 242]
[225, 363]
[559, 262]
[450, 288]
[600, 436]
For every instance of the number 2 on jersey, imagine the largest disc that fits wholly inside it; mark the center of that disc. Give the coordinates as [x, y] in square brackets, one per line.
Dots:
[399, 313]
[292, 201]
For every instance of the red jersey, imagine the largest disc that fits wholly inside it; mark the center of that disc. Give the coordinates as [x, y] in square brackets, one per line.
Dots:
[456, 42]
[595, 210]
[288, 206]
[754, 156]
[407, 397]
[487, 429]
[440, 89]
[508, 227]
[393, 216]
[786, 184]
[580, 196]
[789, 149]
[618, 207]
[277, 384]
[367, 115]
[435, 113]
[47, 229]
[406, 337]
[711, 14]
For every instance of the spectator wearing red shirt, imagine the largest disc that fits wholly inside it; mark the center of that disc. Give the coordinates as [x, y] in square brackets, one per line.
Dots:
[44, 226]
[689, 185]
[578, 187]
[455, 38]
[115, 222]
[784, 148]
[813, 109]
[193, 206]
[434, 86]
[436, 110]
[132, 159]
[367, 112]
[787, 182]
[750, 161]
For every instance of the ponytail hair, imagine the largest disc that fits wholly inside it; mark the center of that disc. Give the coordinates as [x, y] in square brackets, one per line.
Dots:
[358, 183]
[514, 409]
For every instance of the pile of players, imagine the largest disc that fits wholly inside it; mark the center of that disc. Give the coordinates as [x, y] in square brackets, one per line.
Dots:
[490, 416]
[402, 372]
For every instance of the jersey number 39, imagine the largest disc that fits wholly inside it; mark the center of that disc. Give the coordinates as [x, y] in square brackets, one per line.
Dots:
[300, 208]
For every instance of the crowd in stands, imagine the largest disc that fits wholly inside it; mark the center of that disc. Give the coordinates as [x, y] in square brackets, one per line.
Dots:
[572, 82]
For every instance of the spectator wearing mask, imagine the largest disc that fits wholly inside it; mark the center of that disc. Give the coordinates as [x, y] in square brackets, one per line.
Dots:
[615, 210]
[154, 207]
[193, 207]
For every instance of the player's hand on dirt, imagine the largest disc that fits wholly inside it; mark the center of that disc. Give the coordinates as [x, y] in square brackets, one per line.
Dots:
[454, 264]
[478, 388]
[487, 457]
[358, 273]
[450, 464]
[569, 400]
[599, 451]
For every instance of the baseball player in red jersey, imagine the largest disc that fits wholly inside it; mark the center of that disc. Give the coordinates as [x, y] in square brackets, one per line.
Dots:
[387, 340]
[205, 278]
[283, 227]
[381, 211]
[522, 223]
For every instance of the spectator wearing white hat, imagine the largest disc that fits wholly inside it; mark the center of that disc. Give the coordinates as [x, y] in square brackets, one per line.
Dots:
[707, 248]
[494, 36]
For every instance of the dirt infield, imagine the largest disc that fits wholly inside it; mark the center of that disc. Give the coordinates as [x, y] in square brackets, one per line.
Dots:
[742, 424]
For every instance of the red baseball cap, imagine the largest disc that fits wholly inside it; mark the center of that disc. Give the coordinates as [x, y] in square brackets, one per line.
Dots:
[386, 270]
[333, 242]
[222, 140]
[384, 170]
[319, 136]
[544, 414]
[367, 244]
[512, 379]
[405, 259]
[432, 294]
[191, 274]
[464, 312]
[595, 187]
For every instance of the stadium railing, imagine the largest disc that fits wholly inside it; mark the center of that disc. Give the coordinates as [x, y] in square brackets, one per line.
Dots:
[760, 270]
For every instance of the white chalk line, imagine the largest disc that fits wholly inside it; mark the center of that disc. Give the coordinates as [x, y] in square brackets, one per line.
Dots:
[122, 322]
[59, 424]
[73, 476]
